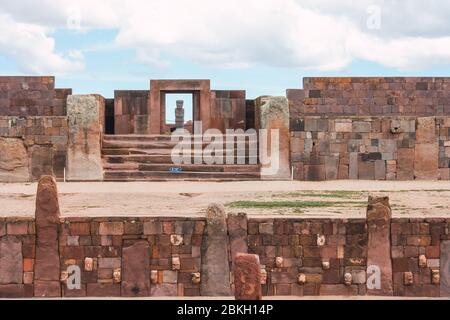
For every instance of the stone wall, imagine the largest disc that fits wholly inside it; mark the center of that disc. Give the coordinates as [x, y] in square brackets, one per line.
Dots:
[366, 96]
[370, 148]
[131, 111]
[299, 257]
[416, 254]
[32, 96]
[228, 109]
[131, 256]
[320, 250]
[31, 147]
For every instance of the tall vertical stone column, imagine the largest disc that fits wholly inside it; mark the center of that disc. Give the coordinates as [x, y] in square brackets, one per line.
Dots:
[47, 266]
[237, 232]
[445, 269]
[426, 151]
[136, 270]
[274, 154]
[379, 243]
[179, 115]
[247, 277]
[215, 266]
[84, 161]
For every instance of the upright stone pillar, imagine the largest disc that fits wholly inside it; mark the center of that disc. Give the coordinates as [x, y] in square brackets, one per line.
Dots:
[247, 277]
[445, 269]
[136, 270]
[274, 152]
[84, 161]
[215, 265]
[237, 232]
[179, 115]
[47, 266]
[426, 151]
[379, 243]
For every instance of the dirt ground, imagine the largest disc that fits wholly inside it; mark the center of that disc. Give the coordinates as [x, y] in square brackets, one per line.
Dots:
[261, 198]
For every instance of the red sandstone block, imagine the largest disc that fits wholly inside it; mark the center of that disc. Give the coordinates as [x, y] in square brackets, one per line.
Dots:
[80, 229]
[411, 251]
[133, 228]
[16, 291]
[48, 289]
[328, 252]
[332, 276]
[418, 241]
[308, 240]
[190, 264]
[111, 228]
[73, 252]
[432, 252]
[338, 290]
[17, 228]
[103, 290]
[75, 292]
[28, 265]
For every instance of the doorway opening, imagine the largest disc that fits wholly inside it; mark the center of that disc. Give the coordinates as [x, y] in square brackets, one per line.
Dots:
[179, 111]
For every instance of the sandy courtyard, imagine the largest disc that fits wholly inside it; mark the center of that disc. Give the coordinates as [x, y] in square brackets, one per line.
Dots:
[262, 198]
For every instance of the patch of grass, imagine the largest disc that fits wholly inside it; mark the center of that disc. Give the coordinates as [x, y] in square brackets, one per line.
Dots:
[289, 204]
[328, 194]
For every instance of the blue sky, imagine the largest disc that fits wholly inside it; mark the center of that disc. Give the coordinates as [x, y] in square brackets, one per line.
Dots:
[118, 45]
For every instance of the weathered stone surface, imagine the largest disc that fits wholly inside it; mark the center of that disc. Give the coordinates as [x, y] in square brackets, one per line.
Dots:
[426, 155]
[445, 269]
[164, 290]
[111, 228]
[41, 161]
[47, 289]
[14, 163]
[11, 265]
[426, 159]
[84, 145]
[237, 232]
[136, 270]
[331, 167]
[9, 291]
[380, 170]
[275, 119]
[379, 244]
[47, 266]
[353, 166]
[405, 164]
[215, 268]
[247, 277]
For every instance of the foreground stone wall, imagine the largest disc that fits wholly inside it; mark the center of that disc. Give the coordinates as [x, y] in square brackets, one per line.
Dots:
[138, 257]
[299, 257]
[31, 147]
[370, 148]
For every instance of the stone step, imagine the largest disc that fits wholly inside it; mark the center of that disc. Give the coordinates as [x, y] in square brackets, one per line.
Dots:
[134, 175]
[137, 144]
[158, 151]
[159, 158]
[149, 137]
[185, 167]
[136, 137]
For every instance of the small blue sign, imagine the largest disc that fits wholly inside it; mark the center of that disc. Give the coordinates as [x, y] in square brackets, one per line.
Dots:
[175, 169]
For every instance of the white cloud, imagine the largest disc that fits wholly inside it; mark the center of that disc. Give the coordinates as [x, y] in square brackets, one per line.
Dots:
[33, 50]
[314, 34]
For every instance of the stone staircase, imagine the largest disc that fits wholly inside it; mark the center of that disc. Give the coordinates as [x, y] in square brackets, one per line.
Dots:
[148, 158]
